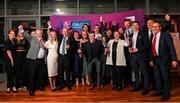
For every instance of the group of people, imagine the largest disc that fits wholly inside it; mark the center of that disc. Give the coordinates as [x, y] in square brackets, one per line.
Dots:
[108, 55]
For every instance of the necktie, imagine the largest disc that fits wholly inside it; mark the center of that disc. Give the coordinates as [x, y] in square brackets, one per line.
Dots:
[128, 33]
[63, 46]
[154, 46]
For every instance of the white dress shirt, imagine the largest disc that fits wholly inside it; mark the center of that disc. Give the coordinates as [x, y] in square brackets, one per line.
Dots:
[157, 42]
[61, 46]
[149, 33]
[134, 39]
[41, 53]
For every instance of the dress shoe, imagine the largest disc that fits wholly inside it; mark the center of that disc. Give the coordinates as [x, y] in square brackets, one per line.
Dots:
[119, 88]
[42, 89]
[31, 93]
[60, 88]
[114, 87]
[144, 92]
[156, 94]
[69, 87]
[135, 89]
[165, 97]
[8, 90]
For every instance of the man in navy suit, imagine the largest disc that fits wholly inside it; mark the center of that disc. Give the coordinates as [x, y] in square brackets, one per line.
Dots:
[138, 50]
[162, 56]
[148, 31]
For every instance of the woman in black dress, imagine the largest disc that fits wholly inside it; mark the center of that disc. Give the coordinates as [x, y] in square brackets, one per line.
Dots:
[9, 61]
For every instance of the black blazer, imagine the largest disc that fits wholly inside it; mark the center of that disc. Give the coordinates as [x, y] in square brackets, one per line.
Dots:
[88, 53]
[142, 45]
[70, 42]
[167, 52]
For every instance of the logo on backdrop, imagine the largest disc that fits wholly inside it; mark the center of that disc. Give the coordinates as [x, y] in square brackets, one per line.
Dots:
[77, 25]
[131, 18]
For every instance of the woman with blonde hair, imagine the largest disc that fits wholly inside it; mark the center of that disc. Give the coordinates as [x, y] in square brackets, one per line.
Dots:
[52, 57]
[21, 71]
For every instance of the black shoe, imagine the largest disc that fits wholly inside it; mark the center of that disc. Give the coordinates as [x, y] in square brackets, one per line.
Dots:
[42, 89]
[114, 87]
[135, 89]
[156, 94]
[31, 93]
[60, 87]
[119, 88]
[69, 87]
[165, 97]
[144, 92]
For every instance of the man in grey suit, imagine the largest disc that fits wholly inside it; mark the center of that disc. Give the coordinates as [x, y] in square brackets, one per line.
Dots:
[35, 55]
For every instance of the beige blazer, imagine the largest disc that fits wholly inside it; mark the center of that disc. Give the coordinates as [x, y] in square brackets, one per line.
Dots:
[120, 60]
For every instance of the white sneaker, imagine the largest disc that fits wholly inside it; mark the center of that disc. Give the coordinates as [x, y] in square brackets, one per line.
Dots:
[83, 83]
[77, 82]
[14, 89]
[24, 88]
[8, 90]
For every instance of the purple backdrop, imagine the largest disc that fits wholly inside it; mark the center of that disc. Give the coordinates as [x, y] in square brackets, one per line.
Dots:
[58, 20]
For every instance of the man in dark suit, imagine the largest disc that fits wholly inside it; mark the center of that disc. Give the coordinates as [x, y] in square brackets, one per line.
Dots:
[148, 31]
[93, 50]
[127, 72]
[138, 50]
[65, 47]
[162, 56]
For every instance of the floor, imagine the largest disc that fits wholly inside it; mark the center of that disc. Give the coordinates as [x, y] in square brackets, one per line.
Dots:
[83, 94]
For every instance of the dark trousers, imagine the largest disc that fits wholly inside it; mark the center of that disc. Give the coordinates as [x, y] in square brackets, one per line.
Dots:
[139, 66]
[10, 74]
[151, 75]
[127, 71]
[36, 73]
[162, 76]
[106, 76]
[78, 67]
[20, 69]
[64, 68]
[97, 64]
[117, 75]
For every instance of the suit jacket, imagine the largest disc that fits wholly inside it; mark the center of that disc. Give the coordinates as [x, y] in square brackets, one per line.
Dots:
[167, 52]
[142, 45]
[146, 31]
[88, 53]
[70, 42]
[120, 60]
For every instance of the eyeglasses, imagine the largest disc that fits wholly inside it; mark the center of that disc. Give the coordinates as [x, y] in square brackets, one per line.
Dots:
[155, 26]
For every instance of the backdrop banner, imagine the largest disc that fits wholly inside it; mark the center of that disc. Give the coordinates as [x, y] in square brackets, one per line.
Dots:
[76, 22]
